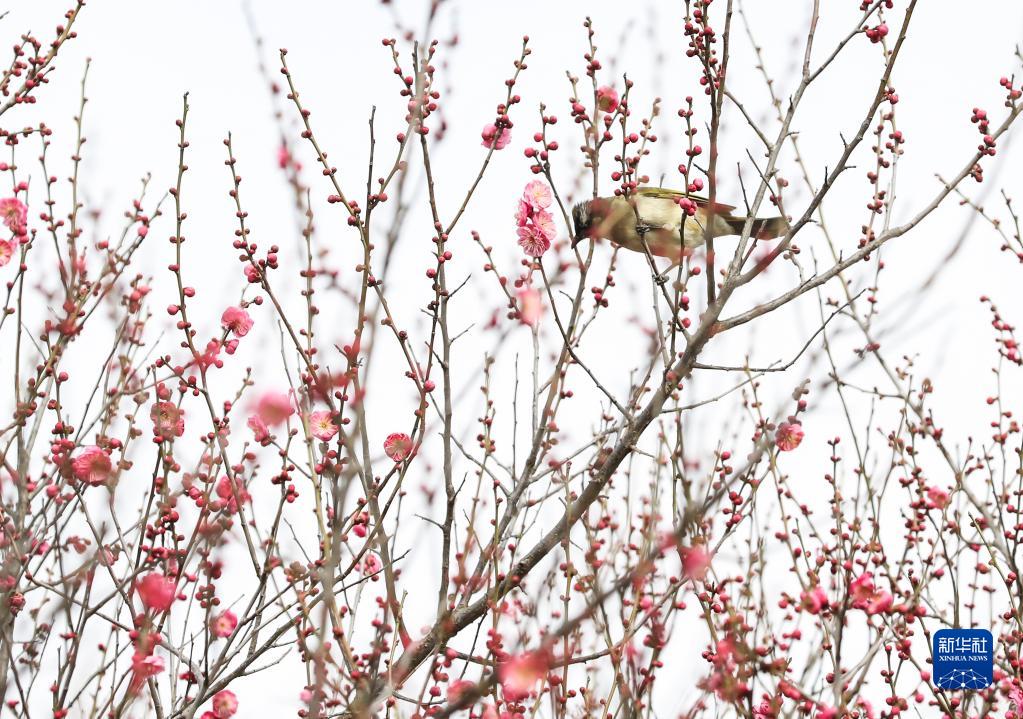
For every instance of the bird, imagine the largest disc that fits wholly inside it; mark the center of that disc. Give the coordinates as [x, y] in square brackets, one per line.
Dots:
[653, 215]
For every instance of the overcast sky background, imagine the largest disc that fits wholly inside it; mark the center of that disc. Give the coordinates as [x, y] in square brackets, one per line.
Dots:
[145, 55]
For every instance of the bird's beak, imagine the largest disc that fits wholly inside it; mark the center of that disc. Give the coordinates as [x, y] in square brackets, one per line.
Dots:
[580, 234]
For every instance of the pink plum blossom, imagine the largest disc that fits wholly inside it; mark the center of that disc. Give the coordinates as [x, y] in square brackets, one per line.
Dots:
[494, 138]
[236, 320]
[371, 564]
[225, 704]
[14, 215]
[259, 429]
[144, 666]
[867, 597]
[274, 408]
[880, 603]
[156, 591]
[230, 492]
[533, 241]
[210, 357]
[607, 98]
[530, 306]
[544, 222]
[1016, 697]
[695, 561]
[321, 425]
[168, 420]
[520, 674]
[538, 195]
[788, 436]
[814, 600]
[534, 224]
[92, 466]
[398, 446]
[224, 624]
[937, 498]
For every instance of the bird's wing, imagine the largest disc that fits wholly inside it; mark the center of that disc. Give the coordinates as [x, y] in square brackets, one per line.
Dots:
[656, 212]
[666, 194]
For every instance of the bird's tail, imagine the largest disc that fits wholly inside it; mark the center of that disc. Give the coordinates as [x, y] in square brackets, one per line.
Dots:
[764, 228]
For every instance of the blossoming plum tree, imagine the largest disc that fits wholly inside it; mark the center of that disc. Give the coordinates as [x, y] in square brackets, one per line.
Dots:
[392, 521]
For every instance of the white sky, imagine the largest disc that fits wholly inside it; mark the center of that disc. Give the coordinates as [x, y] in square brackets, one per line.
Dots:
[146, 54]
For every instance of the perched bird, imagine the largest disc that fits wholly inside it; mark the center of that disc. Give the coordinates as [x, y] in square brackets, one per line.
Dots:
[654, 214]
